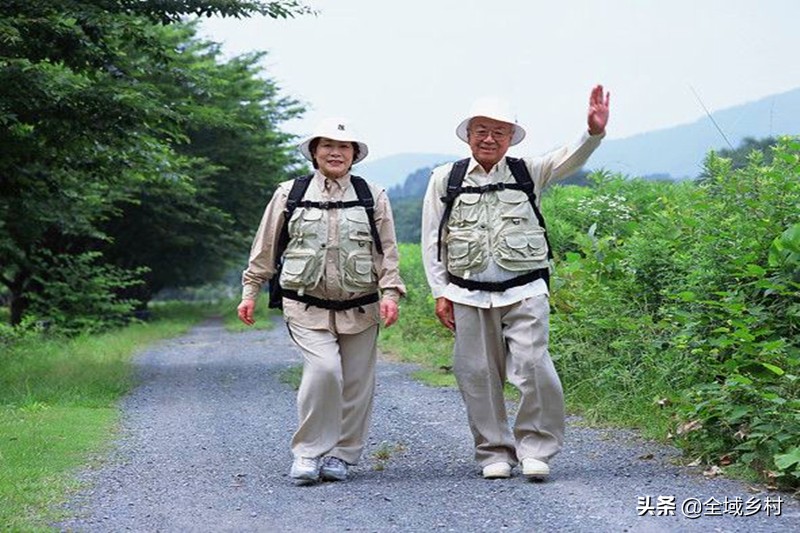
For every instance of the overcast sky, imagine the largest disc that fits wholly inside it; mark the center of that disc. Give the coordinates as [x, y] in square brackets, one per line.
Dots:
[405, 72]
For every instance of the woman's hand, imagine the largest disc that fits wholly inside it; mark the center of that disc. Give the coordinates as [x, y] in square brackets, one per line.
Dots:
[246, 311]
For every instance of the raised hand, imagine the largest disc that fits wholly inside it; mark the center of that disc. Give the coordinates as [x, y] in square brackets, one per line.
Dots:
[598, 110]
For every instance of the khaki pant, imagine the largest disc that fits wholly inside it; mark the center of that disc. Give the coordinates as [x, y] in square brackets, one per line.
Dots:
[501, 343]
[334, 402]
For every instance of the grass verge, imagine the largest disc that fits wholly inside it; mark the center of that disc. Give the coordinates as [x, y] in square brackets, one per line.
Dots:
[58, 409]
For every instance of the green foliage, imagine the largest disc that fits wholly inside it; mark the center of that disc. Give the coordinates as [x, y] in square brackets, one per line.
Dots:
[292, 376]
[739, 313]
[78, 294]
[784, 254]
[692, 302]
[128, 139]
[57, 409]
[408, 218]
[384, 453]
[407, 204]
[418, 336]
[237, 156]
[740, 156]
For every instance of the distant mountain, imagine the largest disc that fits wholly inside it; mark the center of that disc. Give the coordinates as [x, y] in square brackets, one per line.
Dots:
[414, 185]
[394, 169]
[679, 151]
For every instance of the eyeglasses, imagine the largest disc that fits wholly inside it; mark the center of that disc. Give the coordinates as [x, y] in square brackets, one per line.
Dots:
[498, 135]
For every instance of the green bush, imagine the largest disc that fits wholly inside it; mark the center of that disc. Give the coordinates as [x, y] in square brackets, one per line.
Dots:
[691, 303]
[738, 315]
[79, 294]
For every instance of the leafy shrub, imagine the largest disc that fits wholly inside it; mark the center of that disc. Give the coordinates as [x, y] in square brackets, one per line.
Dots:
[689, 299]
[739, 315]
[79, 295]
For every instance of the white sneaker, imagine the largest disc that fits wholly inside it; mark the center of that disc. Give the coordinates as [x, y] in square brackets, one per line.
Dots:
[534, 468]
[305, 470]
[333, 469]
[497, 470]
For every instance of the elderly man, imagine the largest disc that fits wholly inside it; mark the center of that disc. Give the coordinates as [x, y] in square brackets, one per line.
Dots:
[487, 258]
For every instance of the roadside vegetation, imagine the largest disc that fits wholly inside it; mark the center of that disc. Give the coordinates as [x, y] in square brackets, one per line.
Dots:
[58, 407]
[675, 309]
[136, 158]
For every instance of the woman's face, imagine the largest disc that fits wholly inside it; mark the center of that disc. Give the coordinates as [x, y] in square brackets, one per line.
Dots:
[334, 158]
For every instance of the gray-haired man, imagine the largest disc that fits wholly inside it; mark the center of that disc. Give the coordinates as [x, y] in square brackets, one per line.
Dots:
[487, 258]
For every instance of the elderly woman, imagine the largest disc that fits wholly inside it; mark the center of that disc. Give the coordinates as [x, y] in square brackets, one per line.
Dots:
[329, 240]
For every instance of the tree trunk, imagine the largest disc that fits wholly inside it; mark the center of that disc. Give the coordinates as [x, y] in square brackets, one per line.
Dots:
[18, 302]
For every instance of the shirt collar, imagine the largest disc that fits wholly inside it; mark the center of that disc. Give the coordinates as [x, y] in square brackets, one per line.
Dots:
[342, 182]
[476, 168]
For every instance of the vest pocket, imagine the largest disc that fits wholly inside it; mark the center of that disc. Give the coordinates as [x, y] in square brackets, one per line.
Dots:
[358, 274]
[300, 270]
[466, 209]
[358, 229]
[465, 253]
[522, 252]
[311, 214]
[305, 223]
[514, 205]
[362, 238]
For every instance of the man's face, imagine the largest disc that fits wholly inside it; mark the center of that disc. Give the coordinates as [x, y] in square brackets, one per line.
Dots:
[334, 158]
[489, 140]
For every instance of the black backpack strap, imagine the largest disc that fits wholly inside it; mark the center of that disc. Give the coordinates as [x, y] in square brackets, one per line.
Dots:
[330, 204]
[523, 178]
[368, 202]
[501, 286]
[454, 181]
[333, 305]
[296, 193]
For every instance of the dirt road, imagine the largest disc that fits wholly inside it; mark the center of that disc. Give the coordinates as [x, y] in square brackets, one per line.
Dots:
[205, 447]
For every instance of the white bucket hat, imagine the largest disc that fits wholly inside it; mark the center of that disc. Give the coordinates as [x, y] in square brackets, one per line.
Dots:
[494, 108]
[338, 129]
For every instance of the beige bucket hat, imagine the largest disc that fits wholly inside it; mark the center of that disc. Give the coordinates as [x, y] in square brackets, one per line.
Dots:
[338, 129]
[494, 108]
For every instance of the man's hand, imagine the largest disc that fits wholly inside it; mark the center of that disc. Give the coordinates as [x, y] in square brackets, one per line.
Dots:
[389, 311]
[598, 110]
[246, 310]
[444, 311]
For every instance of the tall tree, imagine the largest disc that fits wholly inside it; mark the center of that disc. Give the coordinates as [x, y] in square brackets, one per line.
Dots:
[85, 127]
[187, 232]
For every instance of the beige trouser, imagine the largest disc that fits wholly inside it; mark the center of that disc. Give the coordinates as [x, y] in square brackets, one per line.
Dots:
[334, 402]
[501, 343]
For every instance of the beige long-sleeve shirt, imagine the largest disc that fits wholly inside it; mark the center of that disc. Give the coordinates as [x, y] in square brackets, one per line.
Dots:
[543, 170]
[261, 265]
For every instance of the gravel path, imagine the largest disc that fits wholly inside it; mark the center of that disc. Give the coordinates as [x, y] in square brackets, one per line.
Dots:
[205, 447]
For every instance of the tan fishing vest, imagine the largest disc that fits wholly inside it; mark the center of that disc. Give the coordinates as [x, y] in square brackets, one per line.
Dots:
[496, 225]
[304, 259]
